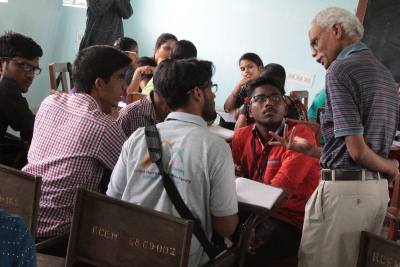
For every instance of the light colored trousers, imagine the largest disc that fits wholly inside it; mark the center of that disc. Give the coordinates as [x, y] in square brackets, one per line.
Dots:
[335, 215]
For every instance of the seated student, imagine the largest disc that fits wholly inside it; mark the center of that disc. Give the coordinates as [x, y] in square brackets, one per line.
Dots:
[133, 75]
[278, 166]
[183, 49]
[19, 63]
[152, 109]
[250, 66]
[17, 247]
[295, 109]
[319, 102]
[75, 139]
[163, 48]
[199, 161]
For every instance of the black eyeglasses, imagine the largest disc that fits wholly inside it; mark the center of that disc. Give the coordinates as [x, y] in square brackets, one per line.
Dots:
[314, 43]
[25, 66]
[213, 88]
[263, 98]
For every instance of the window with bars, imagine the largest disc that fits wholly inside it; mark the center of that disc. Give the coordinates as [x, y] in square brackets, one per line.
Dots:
[77, 3]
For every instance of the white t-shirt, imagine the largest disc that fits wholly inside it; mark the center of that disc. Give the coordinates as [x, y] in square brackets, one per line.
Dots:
[200, 164]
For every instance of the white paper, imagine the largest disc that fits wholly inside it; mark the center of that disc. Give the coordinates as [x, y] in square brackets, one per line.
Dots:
[220, 131]
[255, 193]
[228, 117]
[395, 143]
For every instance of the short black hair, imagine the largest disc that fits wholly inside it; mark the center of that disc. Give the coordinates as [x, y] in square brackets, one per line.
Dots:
[98, 61]
[276, 71]
[13, 44]
[163, 38]
[124, 43]
[173, 79]
[183, 49]
[252, 57]
[268, 80]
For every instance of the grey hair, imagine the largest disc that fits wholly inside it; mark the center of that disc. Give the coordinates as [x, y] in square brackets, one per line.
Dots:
[349, 22]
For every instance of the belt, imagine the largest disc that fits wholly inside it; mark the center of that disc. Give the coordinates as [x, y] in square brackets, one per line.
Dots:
[351, 175]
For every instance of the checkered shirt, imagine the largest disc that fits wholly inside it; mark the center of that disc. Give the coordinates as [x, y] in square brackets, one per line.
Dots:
[138, 114]
[73, 142]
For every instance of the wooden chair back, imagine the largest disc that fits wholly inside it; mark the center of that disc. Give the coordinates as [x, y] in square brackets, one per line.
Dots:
[20, 195]
[315, 128]
[110, 232]
[133, 97]
[61, 69]
[393, 213]
[302, 95]
[377, 251]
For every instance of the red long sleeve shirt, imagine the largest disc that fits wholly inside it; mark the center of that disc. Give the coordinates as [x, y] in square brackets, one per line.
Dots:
[285, 168]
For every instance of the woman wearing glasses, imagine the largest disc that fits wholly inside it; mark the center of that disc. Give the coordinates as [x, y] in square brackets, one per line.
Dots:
[250, 66]
[133, 76]
[163, 48]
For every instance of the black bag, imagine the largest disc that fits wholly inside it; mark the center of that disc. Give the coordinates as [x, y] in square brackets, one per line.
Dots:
[217, 255]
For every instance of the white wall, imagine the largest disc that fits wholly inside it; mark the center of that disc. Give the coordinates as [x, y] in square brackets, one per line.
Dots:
[222, 31]
[53, 26]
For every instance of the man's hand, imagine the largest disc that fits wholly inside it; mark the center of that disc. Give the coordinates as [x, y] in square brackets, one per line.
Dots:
[253, 244]
[395, 173]
[239, 171]
[296, 143]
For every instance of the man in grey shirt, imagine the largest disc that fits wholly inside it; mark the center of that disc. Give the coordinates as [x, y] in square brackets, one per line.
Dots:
[199, 162]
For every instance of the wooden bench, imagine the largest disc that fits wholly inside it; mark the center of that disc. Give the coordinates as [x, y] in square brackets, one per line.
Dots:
[377, 251]
[20, 195]
[110, 232]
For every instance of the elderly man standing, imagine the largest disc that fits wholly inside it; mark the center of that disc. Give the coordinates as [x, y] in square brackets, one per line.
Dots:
[360, 122]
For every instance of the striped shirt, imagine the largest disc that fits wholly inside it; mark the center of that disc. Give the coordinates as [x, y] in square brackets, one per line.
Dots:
[361, 98]
[73, 142]
[138, 114]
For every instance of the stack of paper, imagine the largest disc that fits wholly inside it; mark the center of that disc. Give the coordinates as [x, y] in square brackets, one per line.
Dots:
[256, 193]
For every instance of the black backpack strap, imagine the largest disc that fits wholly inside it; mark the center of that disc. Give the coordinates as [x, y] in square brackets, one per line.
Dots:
[154, 146]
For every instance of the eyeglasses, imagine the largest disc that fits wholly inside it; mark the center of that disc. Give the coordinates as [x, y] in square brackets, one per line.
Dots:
[132, 52]
[213, 88]
[25, 66]
[314, 43]
[263, 98]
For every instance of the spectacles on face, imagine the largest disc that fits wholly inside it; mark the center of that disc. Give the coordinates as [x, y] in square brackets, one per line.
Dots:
[314, 42]
[262, 98]
[25, 66]
[213, 88]
[132, 52]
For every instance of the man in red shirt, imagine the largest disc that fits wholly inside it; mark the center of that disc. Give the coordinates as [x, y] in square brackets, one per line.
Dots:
[275, 165]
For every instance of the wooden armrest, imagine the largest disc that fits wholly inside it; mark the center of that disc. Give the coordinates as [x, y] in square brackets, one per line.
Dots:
[15, 138]
[51, 242]
[246, 207]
